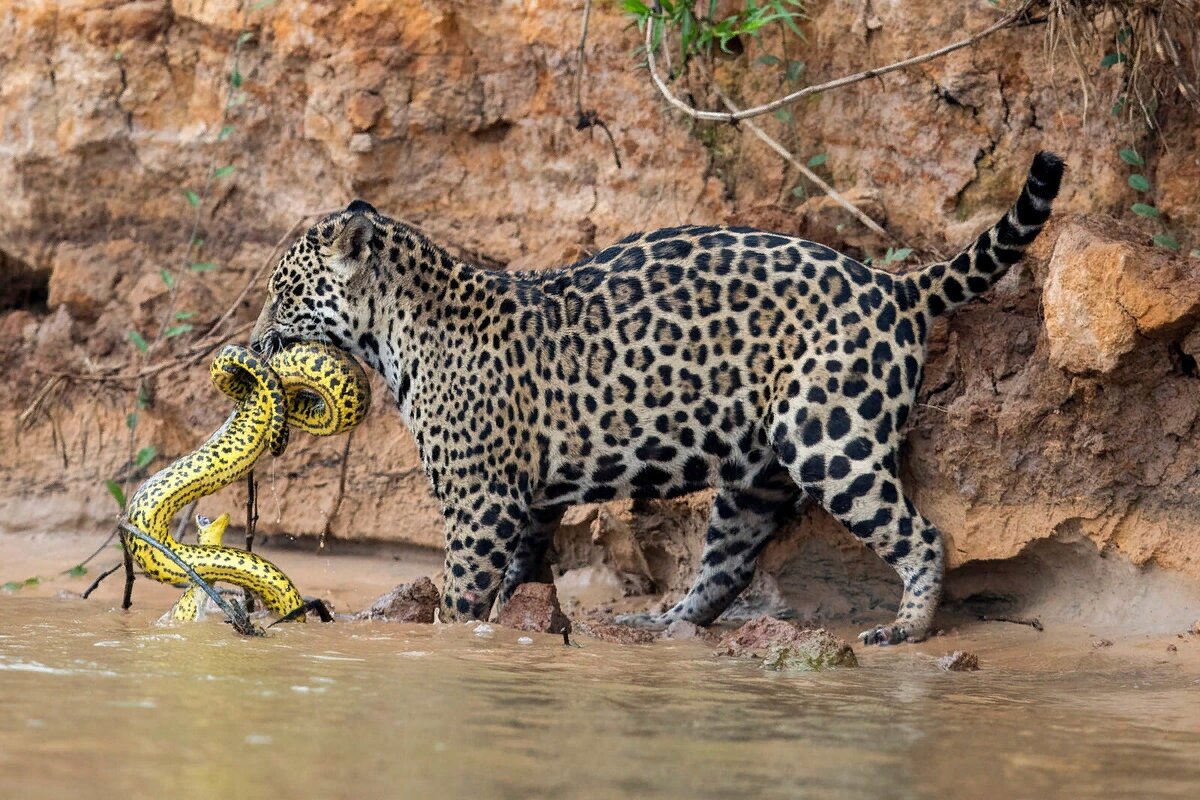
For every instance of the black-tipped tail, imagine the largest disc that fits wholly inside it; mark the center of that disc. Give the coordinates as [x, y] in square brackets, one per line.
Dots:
[946, 285]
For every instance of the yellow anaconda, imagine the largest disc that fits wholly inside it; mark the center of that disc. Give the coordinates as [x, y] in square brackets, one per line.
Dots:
[311, 386]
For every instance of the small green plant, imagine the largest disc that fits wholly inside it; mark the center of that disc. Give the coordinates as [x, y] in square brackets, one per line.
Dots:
[1140, 183]
[700, 30]
[13, 586]
[176, 323]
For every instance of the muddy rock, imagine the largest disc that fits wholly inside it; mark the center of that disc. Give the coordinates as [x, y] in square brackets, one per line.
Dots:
[534, 607]
[785, 646]
[959, 661]
[606, 630]
[1103, 293]
[408, 602]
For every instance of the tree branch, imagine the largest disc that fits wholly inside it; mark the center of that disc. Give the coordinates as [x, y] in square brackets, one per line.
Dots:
[746, 113]
[237, 617]
[804, 170]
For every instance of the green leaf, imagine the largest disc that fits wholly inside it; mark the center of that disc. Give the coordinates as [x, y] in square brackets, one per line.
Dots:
[1131, 157]
[34, 581]
[768, 60]
[1166, 240]
[799, 191]
[1113, 58]
[795, 70]
[77, 571]
[203, 266]
[818, 160]
[223, 171]
[1195, 253]
[244, 37]
[131, 420]
[1143, 210]
[901, 254]
[167, 278]
[11, 586]
[177, 330]
[1124, 34]
[138, 341]
[184, 314]
[235, 78]
[192, 198]
[143, 397]
[144, 457]
[783, 115]
[225, 133]
[1139, 182]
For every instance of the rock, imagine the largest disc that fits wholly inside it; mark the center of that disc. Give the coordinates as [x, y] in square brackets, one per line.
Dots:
[534, 607]
[363, 110]
[1102, 294]
[785, 646]
[606, 630]
[84, 277]
[1195, 630]
[408, 602]
[959, 661]
[1099, 643]
[1172, 648]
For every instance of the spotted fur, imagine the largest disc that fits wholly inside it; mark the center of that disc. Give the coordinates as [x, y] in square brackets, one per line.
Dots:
[769, 367]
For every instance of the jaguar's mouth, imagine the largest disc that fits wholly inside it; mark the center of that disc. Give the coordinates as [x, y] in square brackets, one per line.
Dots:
[271, 343]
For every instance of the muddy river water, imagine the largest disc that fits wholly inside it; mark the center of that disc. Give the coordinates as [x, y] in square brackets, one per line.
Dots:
[99, 703]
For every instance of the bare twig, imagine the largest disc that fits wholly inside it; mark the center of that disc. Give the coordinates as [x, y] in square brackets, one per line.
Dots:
[251, 524]
[341, 493]
[591, 117]
[236, 615]
[803, 169]
[88, 591]
[127, 561]
[746, 113]
[1032, 622]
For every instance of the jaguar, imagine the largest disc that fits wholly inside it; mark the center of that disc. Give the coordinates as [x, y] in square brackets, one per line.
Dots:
[768, 367]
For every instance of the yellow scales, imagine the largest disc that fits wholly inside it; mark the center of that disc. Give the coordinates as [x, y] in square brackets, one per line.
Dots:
[313, 387]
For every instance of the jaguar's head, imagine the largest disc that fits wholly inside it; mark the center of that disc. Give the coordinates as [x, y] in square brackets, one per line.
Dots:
[317, 289]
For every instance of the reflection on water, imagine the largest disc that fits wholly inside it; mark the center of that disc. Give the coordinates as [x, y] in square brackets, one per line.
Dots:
[105, 705]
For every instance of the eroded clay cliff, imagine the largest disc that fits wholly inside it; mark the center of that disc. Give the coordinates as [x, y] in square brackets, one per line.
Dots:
[1062, 407]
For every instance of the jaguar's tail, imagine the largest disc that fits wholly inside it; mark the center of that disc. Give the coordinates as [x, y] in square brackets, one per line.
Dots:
[946, 285]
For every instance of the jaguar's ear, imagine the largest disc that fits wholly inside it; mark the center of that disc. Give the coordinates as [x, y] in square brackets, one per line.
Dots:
[352, 243]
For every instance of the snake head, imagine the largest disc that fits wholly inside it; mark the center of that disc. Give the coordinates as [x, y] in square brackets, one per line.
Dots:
[211, 531]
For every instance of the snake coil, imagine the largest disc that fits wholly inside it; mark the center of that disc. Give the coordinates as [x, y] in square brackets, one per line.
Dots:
[310, 386]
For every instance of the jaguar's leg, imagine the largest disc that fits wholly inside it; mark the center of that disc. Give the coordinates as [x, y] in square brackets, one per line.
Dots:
[856, 479]
[482, 536]
[740, 524]
[528, 561]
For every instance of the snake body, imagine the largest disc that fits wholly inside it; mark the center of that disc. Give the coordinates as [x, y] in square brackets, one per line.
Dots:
[310, 386]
